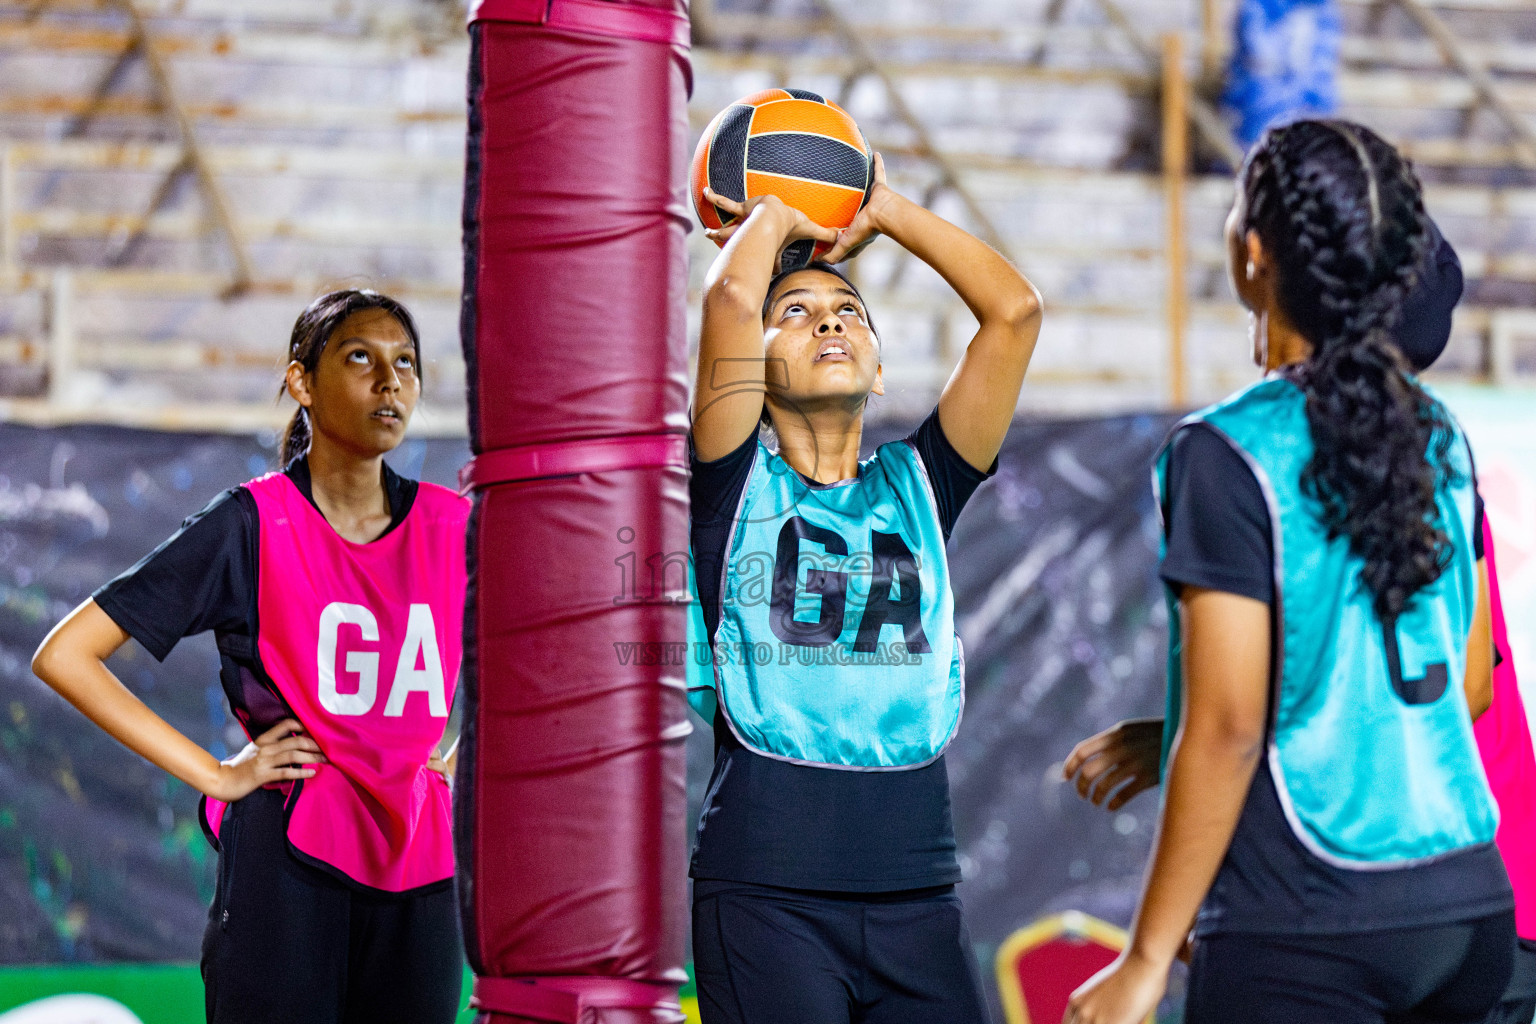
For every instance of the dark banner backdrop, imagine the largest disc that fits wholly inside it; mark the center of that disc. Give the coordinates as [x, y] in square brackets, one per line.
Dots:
[1054, 567]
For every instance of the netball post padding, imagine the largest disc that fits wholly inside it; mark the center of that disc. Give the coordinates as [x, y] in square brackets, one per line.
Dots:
[569, 816]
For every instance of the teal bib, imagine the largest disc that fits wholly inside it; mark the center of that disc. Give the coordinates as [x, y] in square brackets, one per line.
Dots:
[700, 672]
[836, 645]
[1371, 743]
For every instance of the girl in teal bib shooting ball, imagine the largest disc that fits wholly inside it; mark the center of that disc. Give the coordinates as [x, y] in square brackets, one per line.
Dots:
[1327, 829]
[825, 867]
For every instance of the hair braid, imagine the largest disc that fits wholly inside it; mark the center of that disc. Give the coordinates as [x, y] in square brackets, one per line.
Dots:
[1343, 215]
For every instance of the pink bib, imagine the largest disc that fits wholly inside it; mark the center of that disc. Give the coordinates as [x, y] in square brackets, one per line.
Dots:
[1504, 740]
[363, 642]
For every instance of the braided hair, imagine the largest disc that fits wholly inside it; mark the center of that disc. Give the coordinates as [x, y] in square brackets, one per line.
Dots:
[1342, 215]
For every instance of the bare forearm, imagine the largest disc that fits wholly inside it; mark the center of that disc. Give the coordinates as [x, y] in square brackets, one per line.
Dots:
[738, 280]
[978, 404]
[1225, 680]
[990, 286]
[90, 686]
[729, 387]
[1478, 684]
[1207, 782]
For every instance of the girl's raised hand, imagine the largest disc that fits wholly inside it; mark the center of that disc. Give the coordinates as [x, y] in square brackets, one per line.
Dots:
[794, 224]
[1128, 752]
[865, 228]
[278, 755]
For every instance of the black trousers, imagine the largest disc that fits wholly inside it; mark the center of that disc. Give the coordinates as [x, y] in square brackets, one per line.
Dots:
[1518, 1006]
[1445, 974]
[764, 955]
[289, 943]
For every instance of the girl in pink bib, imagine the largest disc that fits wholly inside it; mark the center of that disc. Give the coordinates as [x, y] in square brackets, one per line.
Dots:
[335, 590]
[1504, 741]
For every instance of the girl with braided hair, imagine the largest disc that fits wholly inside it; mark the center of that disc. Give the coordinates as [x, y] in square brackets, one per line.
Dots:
[1327, 827]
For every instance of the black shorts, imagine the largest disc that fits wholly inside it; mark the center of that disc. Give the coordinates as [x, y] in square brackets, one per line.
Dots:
[1442, 974]
[288, 942]
[763, 955]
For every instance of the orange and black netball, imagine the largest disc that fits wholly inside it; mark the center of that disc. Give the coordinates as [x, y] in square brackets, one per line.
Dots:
[790, 143]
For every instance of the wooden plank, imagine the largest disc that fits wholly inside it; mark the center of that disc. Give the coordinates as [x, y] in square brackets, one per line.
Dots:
[336, 15]
[61, 337]
[1104, 191]
[1482, 6]
[1001, 68]
[328, 231]
[10, 252]
[271, 113]
[203, 418]
[128, 353]
[1495, 96]
[247, 46]
[355, 163]
[1078, 44]
[292, 160]
[1495, 55]
[1213, 40]
[206, 284]
[1175, 165]
[980, 217]
[1446, 90]
[1388, 89]
[1459, 152]
[185, 39]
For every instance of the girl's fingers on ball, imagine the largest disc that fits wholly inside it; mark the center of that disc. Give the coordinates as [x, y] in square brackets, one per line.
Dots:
[728, 205]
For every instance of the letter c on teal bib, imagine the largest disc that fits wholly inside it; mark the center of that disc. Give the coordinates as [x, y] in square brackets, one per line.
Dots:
[1371, 744]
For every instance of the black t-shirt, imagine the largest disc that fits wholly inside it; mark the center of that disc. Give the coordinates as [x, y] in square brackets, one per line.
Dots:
[770, 822]
[204, 577]
[1218, 531]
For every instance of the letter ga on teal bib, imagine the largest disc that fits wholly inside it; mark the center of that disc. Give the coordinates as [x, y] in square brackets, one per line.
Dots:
[836, 646]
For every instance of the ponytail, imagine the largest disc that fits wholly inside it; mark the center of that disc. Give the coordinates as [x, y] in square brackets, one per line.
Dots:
[1342, 213]
[295, 440]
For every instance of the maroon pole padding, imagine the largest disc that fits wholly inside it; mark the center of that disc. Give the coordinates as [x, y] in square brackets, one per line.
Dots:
[570, 807]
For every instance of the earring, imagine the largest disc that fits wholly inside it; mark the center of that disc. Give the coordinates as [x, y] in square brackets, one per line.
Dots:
[1258, 338]
[1251, 270]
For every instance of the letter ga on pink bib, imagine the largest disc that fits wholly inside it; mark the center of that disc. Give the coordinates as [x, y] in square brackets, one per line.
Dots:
[363, 642]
